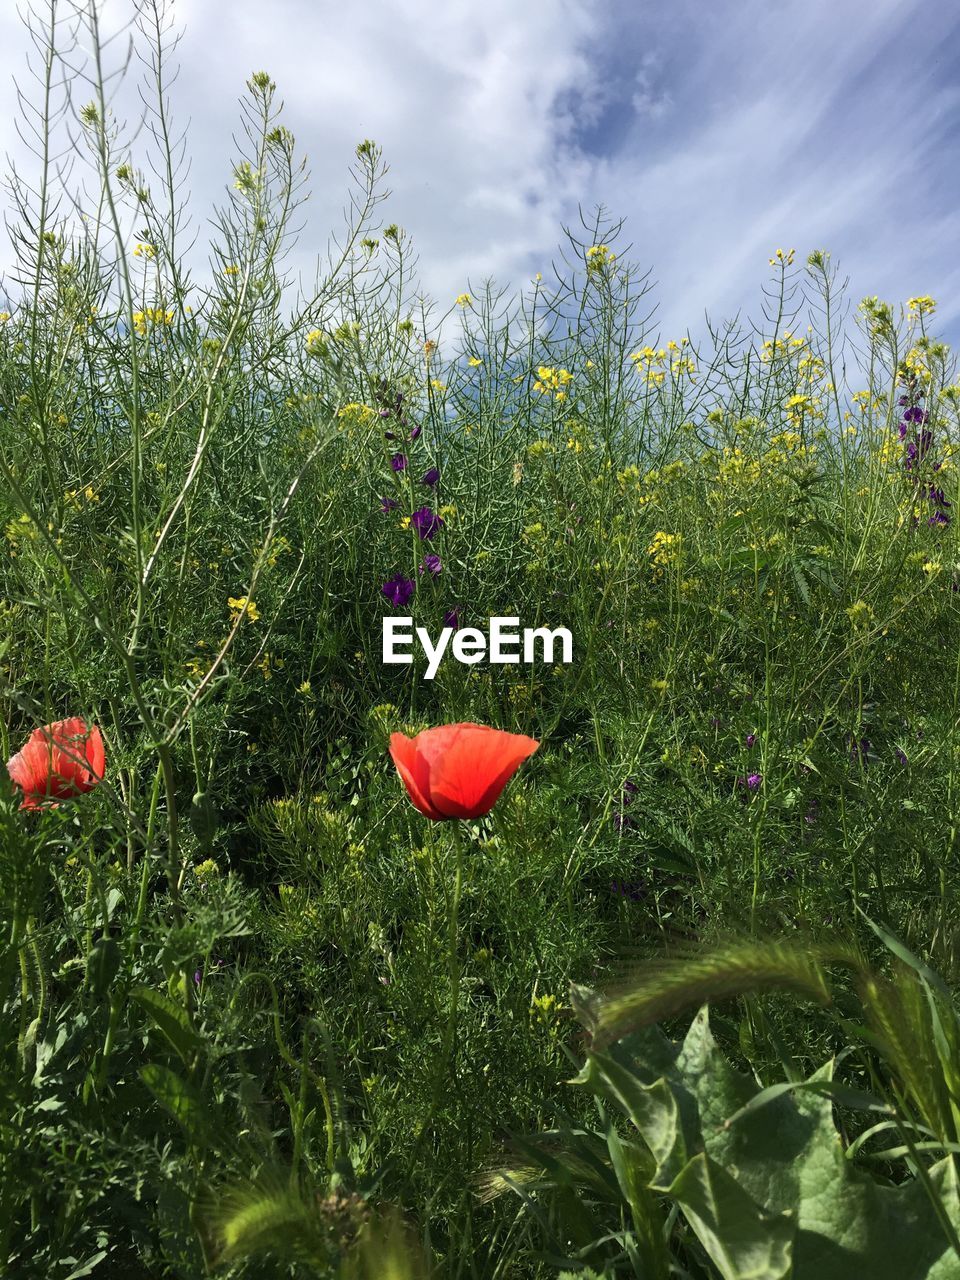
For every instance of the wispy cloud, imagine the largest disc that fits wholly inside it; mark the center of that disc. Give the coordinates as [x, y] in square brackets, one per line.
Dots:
[719, 132]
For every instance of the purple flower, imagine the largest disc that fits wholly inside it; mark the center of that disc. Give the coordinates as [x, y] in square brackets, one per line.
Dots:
[754, 780]
[751, 739]
[714, 723]
[630, 789]
[915, 414]
[389, 435]
[388, 505]
[431, 564]
[859, 750]
[452, 619]
[430, 477]
[197, 977]
[426, 522]
[398, 462]
[398, 589]
[384, 413]
[901, 756]
[415, 433]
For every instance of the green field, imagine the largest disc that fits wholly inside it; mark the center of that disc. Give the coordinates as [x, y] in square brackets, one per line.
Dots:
[262, 1017]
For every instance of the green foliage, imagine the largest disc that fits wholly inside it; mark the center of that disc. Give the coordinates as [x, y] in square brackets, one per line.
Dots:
[244, 985]
[760, 1175]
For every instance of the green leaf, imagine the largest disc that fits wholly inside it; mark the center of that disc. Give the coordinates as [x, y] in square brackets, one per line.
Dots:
[180, 1099]
[744, 1241]
[85, 1268]
[653, 1109]
[172, 1019]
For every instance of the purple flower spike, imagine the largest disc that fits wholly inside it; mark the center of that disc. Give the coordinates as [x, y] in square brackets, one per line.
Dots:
[901, 756]
[751, 739]
[388, 505]
[431, 564]
[415, 433]
[398, 589]
[384, 413]
[426, 522]
[754, 780]
[389, 435]
[398, 462]
[431, 477]
[452, 619]
[197, 977]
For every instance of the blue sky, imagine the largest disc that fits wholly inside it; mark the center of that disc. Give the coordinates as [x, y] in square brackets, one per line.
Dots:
[719, 132]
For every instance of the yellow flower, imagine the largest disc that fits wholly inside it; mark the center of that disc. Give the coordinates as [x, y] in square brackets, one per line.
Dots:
[782, 258]
[464, 300]
[316, 343]
[553, 380]
[437, 384]
[231, 270]
[144, 250]
[599, 256]
[664, 548]
[270, 664]
[860, 614]
[922, 306]
[474, 362]
[362, 412]
[240, 605]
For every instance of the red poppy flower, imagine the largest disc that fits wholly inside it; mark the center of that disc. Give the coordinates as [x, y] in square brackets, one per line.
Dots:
[49, 767]
[458, 770]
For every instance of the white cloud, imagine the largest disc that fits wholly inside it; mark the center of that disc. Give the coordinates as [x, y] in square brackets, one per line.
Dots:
[721, 133]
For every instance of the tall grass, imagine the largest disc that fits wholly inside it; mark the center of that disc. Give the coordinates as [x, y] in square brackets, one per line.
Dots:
[228, 964]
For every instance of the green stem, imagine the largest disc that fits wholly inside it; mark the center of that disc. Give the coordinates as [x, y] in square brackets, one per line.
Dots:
[447, 1060]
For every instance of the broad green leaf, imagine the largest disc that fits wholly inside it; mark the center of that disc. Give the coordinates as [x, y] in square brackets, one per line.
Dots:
[179, 1097]
[172, 1020]
[743, 1240]
[654, 1110]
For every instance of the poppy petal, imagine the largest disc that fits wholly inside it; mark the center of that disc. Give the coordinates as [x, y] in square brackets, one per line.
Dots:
[50, 766]
[414, 771]
[467, 778]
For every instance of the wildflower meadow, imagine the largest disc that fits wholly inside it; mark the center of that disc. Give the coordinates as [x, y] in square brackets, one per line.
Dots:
[483, 780]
